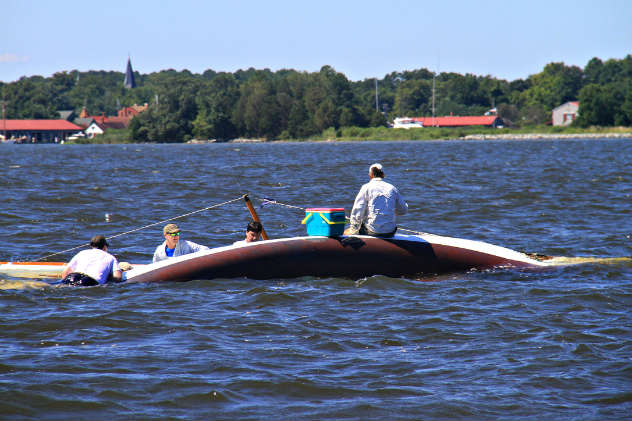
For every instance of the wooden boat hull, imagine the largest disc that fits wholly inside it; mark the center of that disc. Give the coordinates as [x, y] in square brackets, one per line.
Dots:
[347, 256]
[351, 257]
[32, 270]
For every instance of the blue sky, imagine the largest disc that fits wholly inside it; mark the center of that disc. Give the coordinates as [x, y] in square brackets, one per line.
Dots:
[362, 39]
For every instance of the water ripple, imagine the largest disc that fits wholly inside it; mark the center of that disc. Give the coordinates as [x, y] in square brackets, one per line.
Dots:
[498, 344]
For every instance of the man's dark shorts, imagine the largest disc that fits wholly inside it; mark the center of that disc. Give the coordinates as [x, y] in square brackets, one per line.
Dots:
[79, 279]
[365, 231]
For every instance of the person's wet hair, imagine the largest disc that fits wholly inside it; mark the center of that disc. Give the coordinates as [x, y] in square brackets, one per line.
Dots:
[254, 226]
[99, 241]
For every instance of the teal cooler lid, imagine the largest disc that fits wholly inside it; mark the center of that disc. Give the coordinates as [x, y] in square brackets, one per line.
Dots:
[325, 221]
[324, 209]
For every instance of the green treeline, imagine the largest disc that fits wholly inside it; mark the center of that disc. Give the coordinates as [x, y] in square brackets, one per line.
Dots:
[288, 104]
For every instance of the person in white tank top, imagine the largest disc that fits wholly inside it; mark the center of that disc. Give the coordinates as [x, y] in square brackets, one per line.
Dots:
[92, 267]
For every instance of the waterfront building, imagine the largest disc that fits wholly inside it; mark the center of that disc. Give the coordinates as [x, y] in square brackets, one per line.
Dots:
[37, 131]
[120, 121]
[94, 129]
[132, 111]
[68, 115]
[406, 123]
[566, 113]
[460, 121]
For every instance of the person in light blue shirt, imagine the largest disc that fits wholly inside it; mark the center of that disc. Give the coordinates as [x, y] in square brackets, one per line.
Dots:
[173, 245]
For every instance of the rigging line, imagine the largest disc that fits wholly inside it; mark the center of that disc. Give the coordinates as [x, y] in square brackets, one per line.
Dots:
[147, 226]
[267, 201]
[414, 232]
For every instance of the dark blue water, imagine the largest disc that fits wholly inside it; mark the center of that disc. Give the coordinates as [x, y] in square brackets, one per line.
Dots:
[500, 344]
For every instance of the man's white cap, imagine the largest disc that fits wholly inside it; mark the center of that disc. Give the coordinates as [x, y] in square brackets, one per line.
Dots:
[376, 165]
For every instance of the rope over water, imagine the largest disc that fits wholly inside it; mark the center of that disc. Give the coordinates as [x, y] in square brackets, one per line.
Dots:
[147, 226]
[264, 201]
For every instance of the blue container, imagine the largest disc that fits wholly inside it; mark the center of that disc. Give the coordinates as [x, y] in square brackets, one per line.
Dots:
[329, 222]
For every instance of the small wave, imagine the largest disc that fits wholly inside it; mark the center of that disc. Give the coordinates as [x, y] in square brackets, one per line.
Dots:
[7, 284]
[564, 261]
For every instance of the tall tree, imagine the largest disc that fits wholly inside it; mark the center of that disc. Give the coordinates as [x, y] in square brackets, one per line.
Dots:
[413, 98]
[216, 100]
[555, 85]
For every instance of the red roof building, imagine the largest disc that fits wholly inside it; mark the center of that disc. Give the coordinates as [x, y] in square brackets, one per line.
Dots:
[37, 130]
[132, 111]
[461, 121]
[121, 121]
[111, 122]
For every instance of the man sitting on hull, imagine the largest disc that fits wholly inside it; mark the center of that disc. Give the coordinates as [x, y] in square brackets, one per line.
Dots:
[376, 206]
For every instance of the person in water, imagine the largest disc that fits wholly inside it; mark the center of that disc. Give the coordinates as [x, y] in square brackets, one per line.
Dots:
[173, 245]
[92, 267]
[376, 206]
[253, 233]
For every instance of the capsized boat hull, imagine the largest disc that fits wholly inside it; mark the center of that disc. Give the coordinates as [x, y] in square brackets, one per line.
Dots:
[346, 257]
[352, 257]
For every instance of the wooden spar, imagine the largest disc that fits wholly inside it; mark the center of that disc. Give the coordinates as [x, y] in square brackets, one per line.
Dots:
[255, 217]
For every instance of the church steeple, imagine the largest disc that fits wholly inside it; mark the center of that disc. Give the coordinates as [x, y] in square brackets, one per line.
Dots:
[129, 76]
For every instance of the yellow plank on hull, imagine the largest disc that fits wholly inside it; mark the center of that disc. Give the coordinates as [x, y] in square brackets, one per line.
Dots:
[32, 270]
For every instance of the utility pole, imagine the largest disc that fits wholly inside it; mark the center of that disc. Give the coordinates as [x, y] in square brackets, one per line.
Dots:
[433, 97]
[434, 84]
[4, 119]
[376, 102]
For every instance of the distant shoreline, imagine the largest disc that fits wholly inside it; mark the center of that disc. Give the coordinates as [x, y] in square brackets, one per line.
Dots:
[471, 137]
[385, 136]
[504, 136]
[528, 136]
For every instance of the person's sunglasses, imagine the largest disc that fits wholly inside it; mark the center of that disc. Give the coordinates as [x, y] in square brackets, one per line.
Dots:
[174, 234]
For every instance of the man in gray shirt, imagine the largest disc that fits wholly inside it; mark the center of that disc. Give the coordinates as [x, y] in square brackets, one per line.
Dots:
[173, 245]
[376, 206]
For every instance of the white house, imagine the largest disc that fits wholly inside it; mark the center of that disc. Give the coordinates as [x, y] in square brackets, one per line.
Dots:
[565, 113]
[94, 129]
